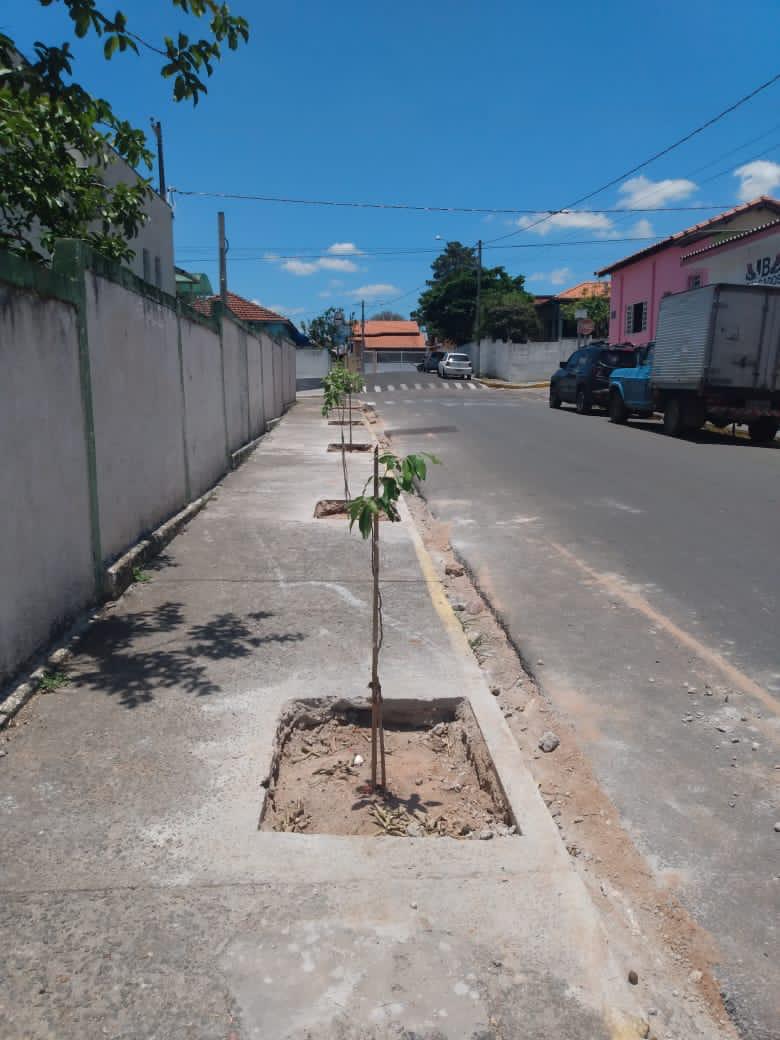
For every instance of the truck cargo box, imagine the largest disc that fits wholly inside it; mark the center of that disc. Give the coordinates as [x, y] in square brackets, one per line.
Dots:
[721, 337]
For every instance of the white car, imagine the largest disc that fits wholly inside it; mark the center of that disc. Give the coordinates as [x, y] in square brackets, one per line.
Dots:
[457, 366]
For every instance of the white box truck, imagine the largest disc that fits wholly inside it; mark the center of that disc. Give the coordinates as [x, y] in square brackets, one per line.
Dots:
[717, 358]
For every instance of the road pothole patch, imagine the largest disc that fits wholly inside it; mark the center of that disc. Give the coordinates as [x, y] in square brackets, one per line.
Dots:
[441, 781]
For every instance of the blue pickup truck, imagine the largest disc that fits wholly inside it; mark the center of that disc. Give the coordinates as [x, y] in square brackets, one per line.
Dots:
[630, 392]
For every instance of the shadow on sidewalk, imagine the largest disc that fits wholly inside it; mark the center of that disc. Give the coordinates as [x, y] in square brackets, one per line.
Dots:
[115, 656]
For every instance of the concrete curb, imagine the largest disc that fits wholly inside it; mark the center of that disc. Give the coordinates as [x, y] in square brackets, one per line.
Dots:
[117, 578]
[499, 384]
[242, 454]
[25, 688]
[120, 574]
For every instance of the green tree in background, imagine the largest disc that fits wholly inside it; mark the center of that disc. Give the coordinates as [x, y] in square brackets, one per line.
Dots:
[56, 139]
[597, 308]
[511, 317]
[387, 316]
[448, 307]
[325, 329]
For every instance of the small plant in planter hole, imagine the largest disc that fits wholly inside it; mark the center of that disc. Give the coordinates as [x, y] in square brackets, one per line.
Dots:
[339, 385]
[399, 475]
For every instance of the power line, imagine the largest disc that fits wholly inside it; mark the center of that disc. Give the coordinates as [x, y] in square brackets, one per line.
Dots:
[389, 254]
[421, 208]
[658, 155]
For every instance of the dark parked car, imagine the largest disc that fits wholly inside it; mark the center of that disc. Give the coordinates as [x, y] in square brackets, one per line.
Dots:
[431, 361]
[583, 380]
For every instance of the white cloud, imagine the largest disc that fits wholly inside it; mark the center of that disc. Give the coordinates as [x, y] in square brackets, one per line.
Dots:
[640, 192]
[371, 292]
[300, 267]
[334, 264]
[760, 177]
[343, 247]
[279, 308]
[642, 229]
[581, 219]
[558, 276]
[325, 294]
[336, 283]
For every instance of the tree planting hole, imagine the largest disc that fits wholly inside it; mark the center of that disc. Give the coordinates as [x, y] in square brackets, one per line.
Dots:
[336, 507]
[441, 781]
[330, 507]
[350, 447]
[345, 422]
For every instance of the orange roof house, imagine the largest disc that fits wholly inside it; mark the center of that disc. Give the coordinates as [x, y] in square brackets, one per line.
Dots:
[579, 292]
[390, 335]
[253, 314]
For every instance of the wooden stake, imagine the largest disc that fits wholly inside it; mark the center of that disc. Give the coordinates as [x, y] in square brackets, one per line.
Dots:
[377, 729]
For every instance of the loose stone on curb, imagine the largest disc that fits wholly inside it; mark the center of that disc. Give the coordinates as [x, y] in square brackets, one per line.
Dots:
[549, 742]
[633, 978]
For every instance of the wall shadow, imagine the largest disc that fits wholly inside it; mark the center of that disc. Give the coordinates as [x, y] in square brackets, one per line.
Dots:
[116, 656]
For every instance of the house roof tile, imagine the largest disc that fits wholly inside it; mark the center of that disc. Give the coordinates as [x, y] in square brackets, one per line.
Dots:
[246, 310]
[762, 202]
[578, 292]
[390, 335]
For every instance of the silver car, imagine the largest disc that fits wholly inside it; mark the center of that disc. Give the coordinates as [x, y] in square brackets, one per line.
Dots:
[457, 366]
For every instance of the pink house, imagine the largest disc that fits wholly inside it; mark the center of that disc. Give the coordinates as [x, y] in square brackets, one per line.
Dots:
[740, 246]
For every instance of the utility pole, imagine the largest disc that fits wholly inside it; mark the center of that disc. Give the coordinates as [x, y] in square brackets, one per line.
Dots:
[478, 329]
[157, 127]
[363, 338]
[222, 257]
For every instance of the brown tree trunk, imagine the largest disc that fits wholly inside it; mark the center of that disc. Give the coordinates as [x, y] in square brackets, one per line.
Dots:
[377, 728]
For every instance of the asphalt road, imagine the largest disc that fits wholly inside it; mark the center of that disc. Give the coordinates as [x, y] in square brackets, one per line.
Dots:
[636, 567]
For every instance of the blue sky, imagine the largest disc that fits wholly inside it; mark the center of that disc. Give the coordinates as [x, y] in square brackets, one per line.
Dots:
[491, 104]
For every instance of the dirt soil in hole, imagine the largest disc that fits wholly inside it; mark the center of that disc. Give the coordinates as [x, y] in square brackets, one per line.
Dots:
[434, 787]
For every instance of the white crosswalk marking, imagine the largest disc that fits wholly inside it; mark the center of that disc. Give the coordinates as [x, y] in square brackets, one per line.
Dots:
[460, 386]
[377, 389]
[404, 386]
[390, 386]
[418, 386]
[471, 385]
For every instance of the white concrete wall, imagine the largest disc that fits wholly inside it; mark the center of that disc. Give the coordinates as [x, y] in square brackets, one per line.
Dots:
[267, 362]
[136, 388]
[45, 549]
[519, 362]
[256, 411]
[311, 363]
[164, 427]
[205, 426]
[234, 360]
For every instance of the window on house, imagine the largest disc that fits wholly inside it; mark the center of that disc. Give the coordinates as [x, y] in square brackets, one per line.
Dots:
[636, 318]
[157, 272]
[147, 262]
[694, 281]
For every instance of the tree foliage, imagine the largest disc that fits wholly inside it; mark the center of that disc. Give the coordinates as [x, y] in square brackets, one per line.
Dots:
[56, 139]
[510, 316]
[400, 474]
[597, 308]
[387, 316]
[326, 329]
[448, 307]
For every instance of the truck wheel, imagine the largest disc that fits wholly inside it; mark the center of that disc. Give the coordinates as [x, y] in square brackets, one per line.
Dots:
[618, 413]
[555, 401]
[582, 402]
[763, 430]
[673, 418]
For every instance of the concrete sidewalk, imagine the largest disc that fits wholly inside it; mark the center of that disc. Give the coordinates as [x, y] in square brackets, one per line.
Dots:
[140, 900]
